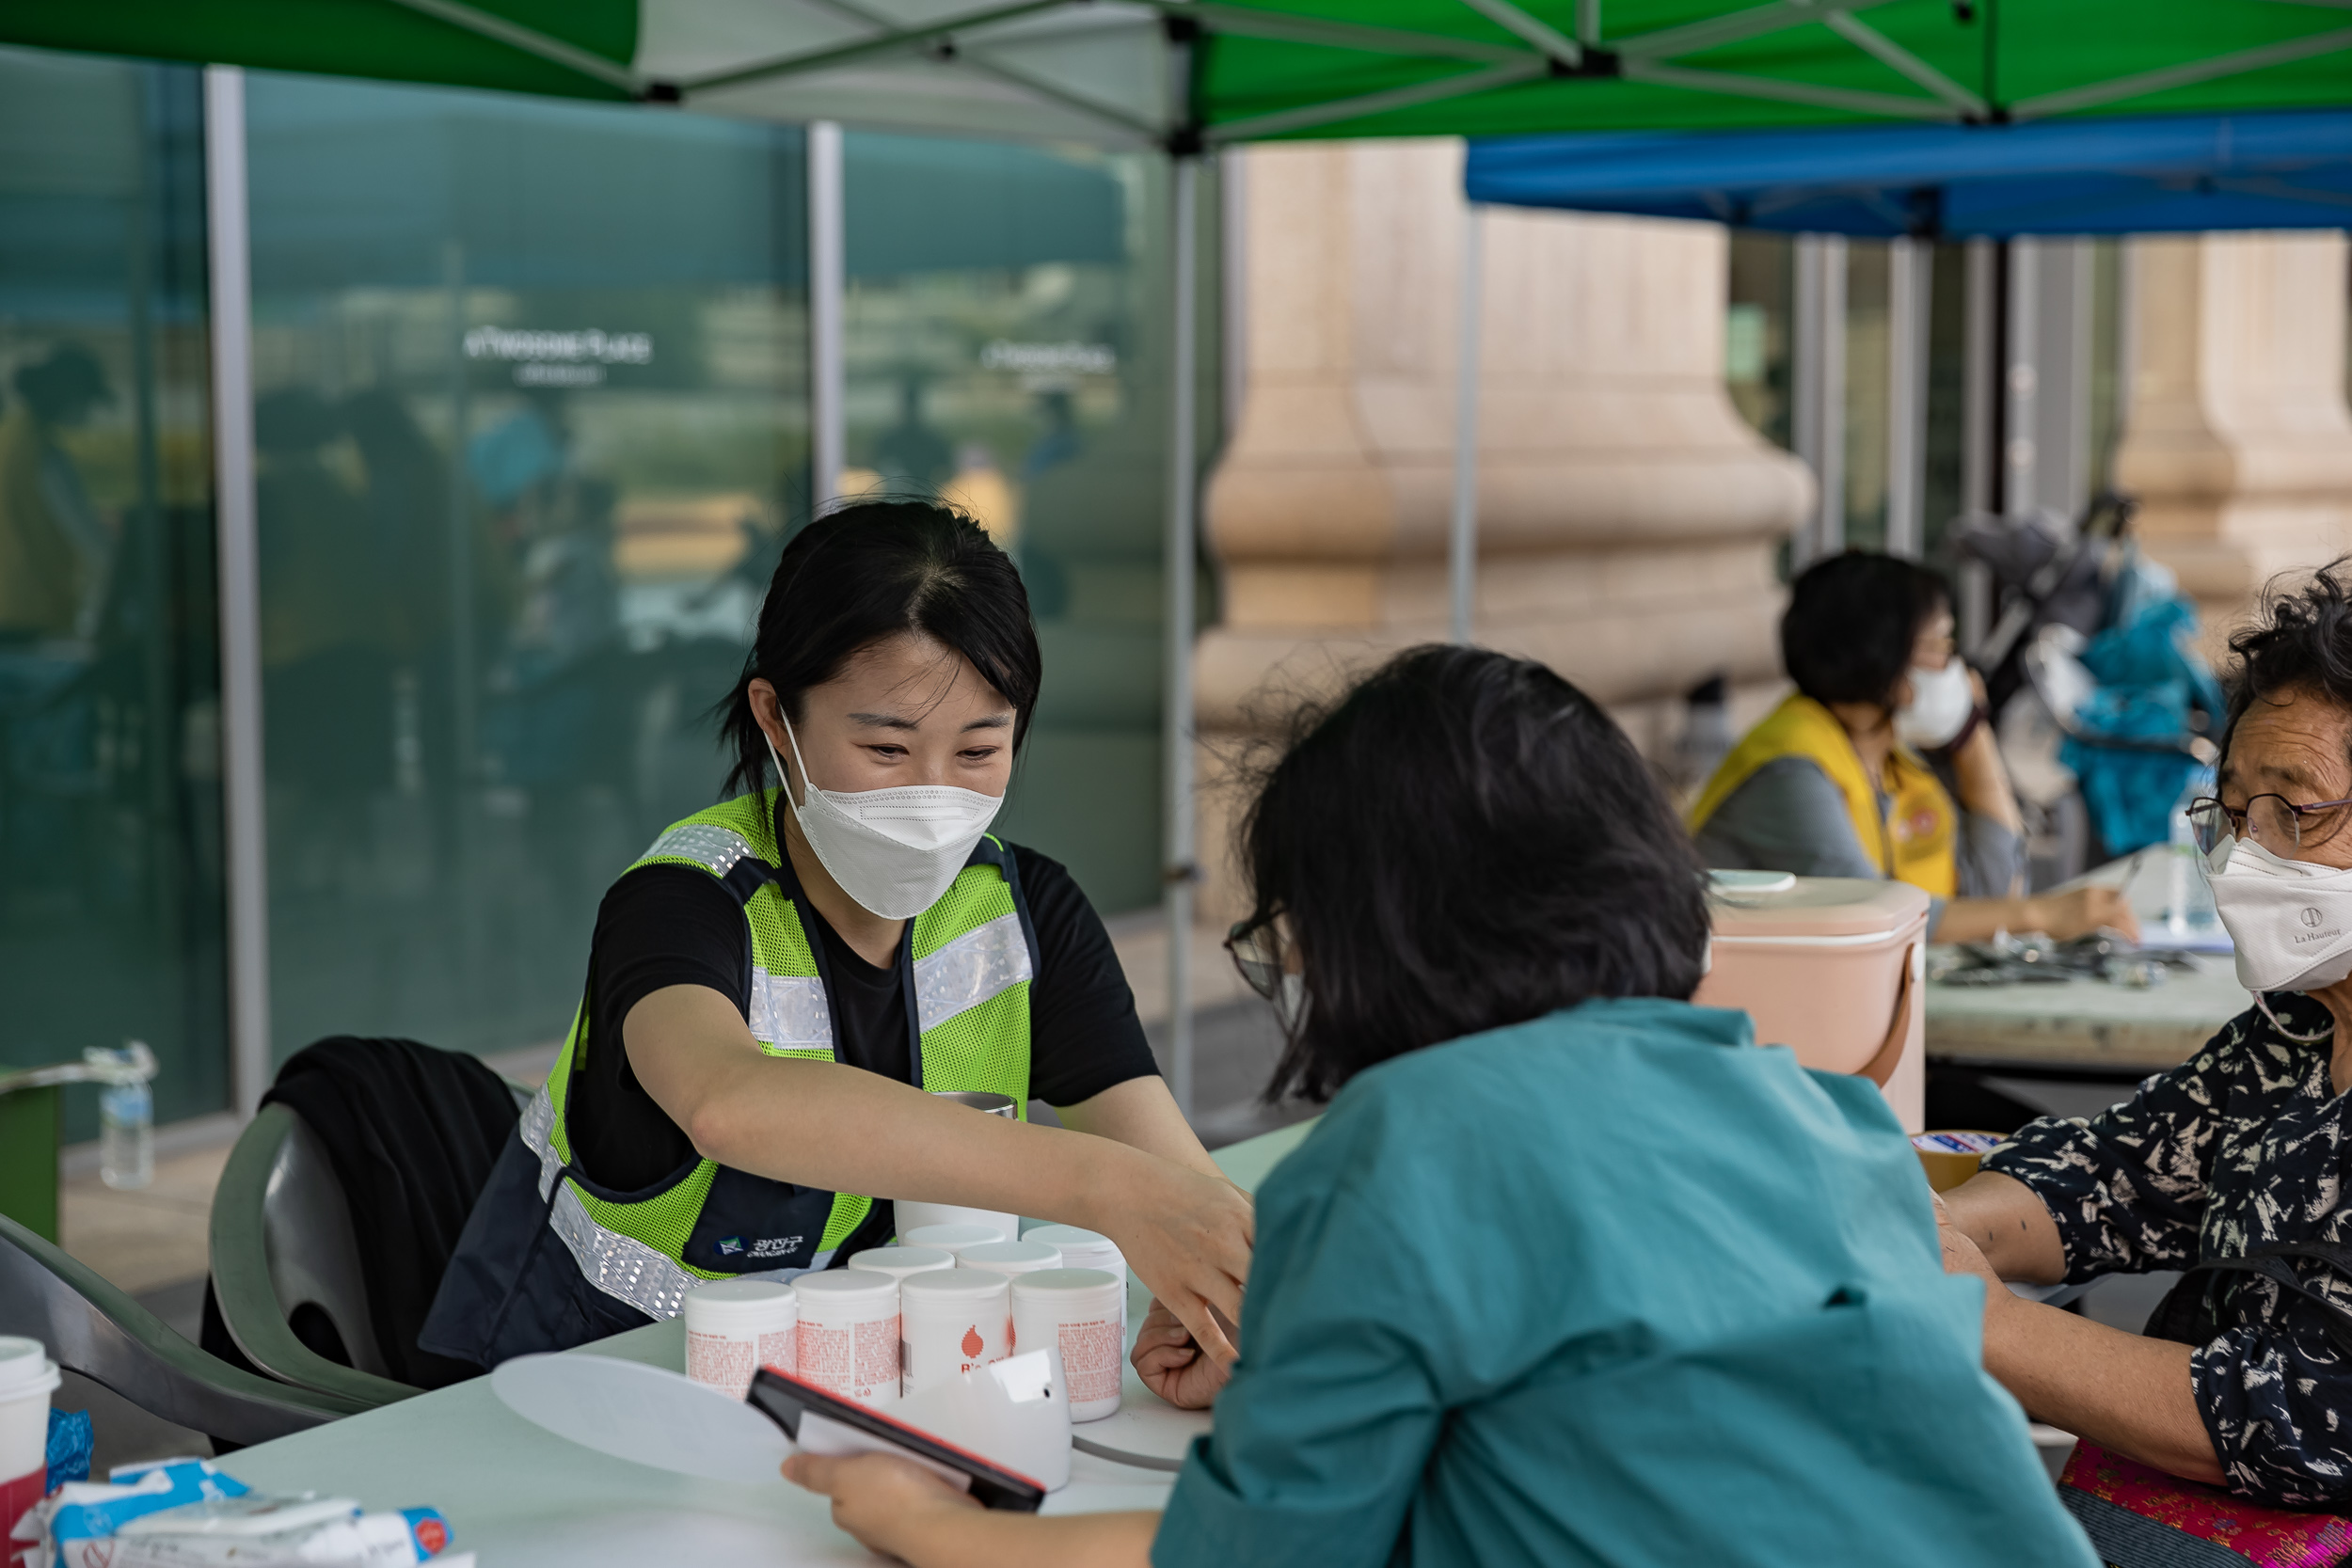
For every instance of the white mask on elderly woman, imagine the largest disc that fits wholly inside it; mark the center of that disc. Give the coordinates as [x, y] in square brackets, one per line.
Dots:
[1941, 702]
[2291, 921]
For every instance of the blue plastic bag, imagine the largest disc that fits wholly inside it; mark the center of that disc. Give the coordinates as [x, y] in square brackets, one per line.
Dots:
[70, 1443]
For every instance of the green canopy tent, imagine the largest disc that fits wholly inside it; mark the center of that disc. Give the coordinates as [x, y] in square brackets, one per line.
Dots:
[1191, 75]
[1181, 74]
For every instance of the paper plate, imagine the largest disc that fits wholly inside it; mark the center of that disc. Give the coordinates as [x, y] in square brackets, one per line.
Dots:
[649, 1415]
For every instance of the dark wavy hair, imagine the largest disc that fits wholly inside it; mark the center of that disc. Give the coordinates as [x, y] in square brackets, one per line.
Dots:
[865, 574]
[1465, 840]
[1851, 620]
[2299, 640]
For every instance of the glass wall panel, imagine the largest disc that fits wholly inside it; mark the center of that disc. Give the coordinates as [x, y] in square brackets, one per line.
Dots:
[532, 411]
[1005, 344]
[110, 888]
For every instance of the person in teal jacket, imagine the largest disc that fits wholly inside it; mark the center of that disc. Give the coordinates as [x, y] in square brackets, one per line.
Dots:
[1571, 1271]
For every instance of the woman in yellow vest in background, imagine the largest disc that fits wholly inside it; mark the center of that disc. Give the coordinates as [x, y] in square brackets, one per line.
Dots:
[1847, 776]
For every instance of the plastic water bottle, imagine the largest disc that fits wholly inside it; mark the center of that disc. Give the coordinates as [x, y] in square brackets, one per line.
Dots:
[2188, 902]
[126, 1115]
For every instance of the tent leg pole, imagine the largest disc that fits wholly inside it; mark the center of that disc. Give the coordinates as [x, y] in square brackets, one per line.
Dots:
[237, 543]
[827, 378]
[1462, 537]
[1981, 426]
[1910, 278]
[1176, 721]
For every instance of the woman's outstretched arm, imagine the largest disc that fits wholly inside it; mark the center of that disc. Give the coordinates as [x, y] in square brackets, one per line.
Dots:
[903, 1511]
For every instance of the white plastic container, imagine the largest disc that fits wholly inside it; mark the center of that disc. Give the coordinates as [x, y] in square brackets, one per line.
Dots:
[847, 1338]
[27, 1377]
[1819, 963]
[900, 1261]
[951, 1238]
[1080, 1249]
[911, 1215]
[1083, 1314]
[1010, 1257]
[736, 1326]
[953, 1321]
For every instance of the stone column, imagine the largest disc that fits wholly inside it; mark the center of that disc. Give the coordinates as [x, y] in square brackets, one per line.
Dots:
[1627, 516]
[2237, 440]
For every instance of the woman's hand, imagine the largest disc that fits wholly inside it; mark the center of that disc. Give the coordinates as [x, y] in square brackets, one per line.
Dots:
[1187, 1236]
[890, 1504]
[1168, 1360]
[2083, 909]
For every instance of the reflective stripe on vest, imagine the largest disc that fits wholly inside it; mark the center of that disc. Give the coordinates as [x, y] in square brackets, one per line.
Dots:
[635, 1251]
[621, 1266]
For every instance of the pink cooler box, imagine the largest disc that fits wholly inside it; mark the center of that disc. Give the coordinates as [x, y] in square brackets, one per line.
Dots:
[1834, 967]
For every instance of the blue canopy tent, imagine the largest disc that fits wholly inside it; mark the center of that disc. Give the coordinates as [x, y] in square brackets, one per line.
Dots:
[2133, 176]
[1987, 181]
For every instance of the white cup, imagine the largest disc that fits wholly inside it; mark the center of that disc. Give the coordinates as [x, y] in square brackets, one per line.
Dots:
[1009, 1258]
[950, 1237]
[1082, 1313]
[848, 1334]
[736, 1326]
[26, 1377]
[909, 1217]
[952, 1320]
[900, 1261]
[1080, 1249]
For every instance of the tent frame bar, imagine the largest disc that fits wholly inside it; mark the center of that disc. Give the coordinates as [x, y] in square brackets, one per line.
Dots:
[844, 53]
[1105, 114]
[1886, 51]
[2096, 93]
[529, 41]
[1553, 44]
[1693, 36]
[1530, 68]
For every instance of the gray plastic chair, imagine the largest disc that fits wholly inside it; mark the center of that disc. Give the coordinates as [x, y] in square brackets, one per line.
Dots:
[283, 1244]
[97, 1330]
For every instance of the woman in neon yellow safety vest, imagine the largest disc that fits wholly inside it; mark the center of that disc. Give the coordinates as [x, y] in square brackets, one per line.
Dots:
[1846, 777]
[782, 985]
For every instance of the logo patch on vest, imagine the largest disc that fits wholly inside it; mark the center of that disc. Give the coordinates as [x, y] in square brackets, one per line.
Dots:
[773, 1246]
[730, 1245]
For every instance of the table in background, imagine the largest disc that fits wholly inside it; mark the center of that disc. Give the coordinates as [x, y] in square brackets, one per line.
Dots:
[2088, 1029]
[523, 1497]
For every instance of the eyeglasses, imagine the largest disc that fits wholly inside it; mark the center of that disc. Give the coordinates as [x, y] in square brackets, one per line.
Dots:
[1257, 955]
[2277, 823]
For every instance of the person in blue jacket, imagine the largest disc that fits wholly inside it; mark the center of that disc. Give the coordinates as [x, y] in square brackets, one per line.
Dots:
[1571, 1272]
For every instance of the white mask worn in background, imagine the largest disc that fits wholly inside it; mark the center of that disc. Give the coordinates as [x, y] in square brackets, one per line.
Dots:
[893, 850]
[1941, 701]
[2291, 921]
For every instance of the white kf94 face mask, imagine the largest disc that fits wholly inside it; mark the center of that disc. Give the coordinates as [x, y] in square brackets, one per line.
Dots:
[1941, 701]
[893, 850]
[2290, 920]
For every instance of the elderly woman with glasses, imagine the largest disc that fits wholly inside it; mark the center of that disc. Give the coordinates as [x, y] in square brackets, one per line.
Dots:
[1571, 1271]
[2233, 1166]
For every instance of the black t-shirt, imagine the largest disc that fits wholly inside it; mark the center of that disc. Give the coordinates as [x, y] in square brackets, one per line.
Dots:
[673, 924]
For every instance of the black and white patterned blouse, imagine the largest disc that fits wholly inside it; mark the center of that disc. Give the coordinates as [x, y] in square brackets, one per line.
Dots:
[2244, 1146]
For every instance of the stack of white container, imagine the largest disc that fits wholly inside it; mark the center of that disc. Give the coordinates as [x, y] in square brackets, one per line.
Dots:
[948, 1299]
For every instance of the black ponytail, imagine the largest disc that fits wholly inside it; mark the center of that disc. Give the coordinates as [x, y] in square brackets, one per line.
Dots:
[863, 575]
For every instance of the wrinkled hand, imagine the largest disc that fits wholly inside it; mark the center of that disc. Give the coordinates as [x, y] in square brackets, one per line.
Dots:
[883, 1500]
[1187, 1236]
[2083, 909]
[1963, 1256]
[1168, 1360]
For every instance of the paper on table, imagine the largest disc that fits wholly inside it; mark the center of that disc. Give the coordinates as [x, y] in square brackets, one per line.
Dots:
[646, 1414]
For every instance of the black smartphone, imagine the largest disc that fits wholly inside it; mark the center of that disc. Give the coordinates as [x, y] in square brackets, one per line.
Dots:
[835, 1425]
